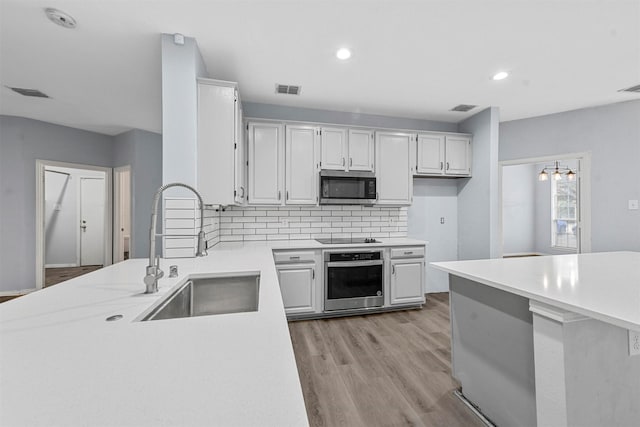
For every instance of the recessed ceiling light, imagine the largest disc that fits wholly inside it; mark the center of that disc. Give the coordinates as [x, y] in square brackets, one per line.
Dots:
[59, 17]
[343, 53]
[501, 75]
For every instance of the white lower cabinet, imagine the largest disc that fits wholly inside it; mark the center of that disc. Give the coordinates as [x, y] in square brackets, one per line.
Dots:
[407, 276]
[297, 275]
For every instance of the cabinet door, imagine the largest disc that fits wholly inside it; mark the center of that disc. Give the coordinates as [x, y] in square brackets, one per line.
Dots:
[394, 171]
[430, 154]
[240, 156]
[458, 155]
[333, 148]
[360, 150]
[215, 174]
[265, 160]
[406, 281]
[301, 174]
[297, 286]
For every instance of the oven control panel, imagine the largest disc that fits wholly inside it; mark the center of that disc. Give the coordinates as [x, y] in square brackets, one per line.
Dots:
[355, 256]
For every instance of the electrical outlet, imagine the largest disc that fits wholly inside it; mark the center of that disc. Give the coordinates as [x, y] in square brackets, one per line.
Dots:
[285, 222]
[633, 205]
[634, 343]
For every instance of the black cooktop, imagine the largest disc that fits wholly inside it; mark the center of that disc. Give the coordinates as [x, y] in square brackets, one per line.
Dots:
[346, 241]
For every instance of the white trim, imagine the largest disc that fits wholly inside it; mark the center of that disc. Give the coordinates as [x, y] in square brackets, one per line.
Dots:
[17, 293]
[60, 265]
[40, 217]
[584, 197]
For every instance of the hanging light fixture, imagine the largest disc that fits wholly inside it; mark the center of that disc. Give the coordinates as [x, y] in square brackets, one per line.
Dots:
[557, 173]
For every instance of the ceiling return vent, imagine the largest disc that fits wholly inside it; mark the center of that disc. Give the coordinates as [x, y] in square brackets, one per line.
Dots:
[29, 92]
[463, 108]
[634, 89]
[288, 89]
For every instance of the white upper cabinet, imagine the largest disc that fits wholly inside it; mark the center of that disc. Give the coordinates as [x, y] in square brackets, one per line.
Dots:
[333, 148]
[457, 155]
[266, 156]
[394, 167]
[301, 174]
[448, 155]
[430, 154]
[346, 150]
[361, 151]
[220, 152]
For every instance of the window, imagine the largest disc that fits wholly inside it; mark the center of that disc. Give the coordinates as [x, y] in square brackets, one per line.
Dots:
[564, 219]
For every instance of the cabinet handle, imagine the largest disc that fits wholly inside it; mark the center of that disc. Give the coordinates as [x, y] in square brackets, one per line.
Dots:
[441, 165]
[393, 269]
[350, 161]
[447, 165]
[287, 195]
[343, 161]
[313, 273]
[279, 194]
[377, 195]
[408, 252]
[294, 257]
[242, 195]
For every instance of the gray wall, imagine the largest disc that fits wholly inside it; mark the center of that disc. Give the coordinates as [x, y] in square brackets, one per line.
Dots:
[181, 65]
[143, 151]
[612, 134]
[22, 141]
[278, 112]
[519, 184]
[478, 201]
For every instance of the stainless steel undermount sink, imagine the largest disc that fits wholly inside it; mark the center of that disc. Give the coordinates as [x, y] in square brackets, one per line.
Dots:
[210, 295]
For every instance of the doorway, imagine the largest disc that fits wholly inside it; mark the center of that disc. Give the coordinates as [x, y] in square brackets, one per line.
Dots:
[121, 213]
[548, 215]
[73, 217]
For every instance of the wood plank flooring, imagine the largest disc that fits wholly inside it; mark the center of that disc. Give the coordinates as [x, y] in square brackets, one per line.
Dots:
[390, 369]
[53, 276]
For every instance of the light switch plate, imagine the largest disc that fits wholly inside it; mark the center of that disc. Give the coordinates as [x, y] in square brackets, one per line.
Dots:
[633, 205]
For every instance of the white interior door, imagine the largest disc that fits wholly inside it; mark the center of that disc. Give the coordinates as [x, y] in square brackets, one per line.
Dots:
[92, 203]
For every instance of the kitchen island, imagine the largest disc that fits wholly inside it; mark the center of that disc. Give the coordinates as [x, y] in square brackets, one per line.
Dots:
[545, 340]
[63, 364]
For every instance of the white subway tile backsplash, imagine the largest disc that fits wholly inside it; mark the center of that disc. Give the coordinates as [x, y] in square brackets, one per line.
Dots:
[309, 222]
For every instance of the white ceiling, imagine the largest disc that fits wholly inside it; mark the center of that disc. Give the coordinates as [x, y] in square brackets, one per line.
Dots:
[410, 58]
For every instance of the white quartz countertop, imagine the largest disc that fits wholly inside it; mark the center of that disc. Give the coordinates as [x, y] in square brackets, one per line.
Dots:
[62, 364]
[604, 286]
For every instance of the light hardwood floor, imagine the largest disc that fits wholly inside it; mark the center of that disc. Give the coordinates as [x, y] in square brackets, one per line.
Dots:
[53, 276]
[390, 369]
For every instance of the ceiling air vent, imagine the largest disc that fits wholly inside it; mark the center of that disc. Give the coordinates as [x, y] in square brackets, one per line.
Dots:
[635, 89]
[463, 108]
[29, 92]
[288, 89]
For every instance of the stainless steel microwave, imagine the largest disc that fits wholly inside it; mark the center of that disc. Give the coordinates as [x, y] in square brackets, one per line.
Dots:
[347, 188]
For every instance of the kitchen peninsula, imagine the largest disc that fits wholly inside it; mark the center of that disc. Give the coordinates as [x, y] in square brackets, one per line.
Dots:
[545, 340]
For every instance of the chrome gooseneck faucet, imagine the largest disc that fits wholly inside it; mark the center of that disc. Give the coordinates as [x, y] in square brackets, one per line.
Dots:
[153, 269]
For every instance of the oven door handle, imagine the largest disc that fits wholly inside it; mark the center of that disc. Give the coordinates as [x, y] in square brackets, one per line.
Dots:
[354, 263]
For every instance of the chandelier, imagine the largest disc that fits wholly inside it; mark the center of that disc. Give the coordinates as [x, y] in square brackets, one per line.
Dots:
[556, 171]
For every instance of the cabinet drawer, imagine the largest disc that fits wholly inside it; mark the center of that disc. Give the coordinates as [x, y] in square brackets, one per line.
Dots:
[298, 256]
[413, 252]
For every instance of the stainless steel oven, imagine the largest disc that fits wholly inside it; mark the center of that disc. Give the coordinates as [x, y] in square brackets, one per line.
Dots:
[353, 279]
[347, 188]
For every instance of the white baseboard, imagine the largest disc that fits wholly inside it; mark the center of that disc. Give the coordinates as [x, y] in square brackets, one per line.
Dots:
[60, 265]
[16, 293]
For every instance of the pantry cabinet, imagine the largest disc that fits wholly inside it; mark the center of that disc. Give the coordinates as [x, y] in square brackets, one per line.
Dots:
[443, 155]
[265, 163]
[301, 174]
[394, 167]
[221, 162]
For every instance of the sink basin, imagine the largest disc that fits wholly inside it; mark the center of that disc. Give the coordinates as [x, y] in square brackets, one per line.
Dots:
[210, 295]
